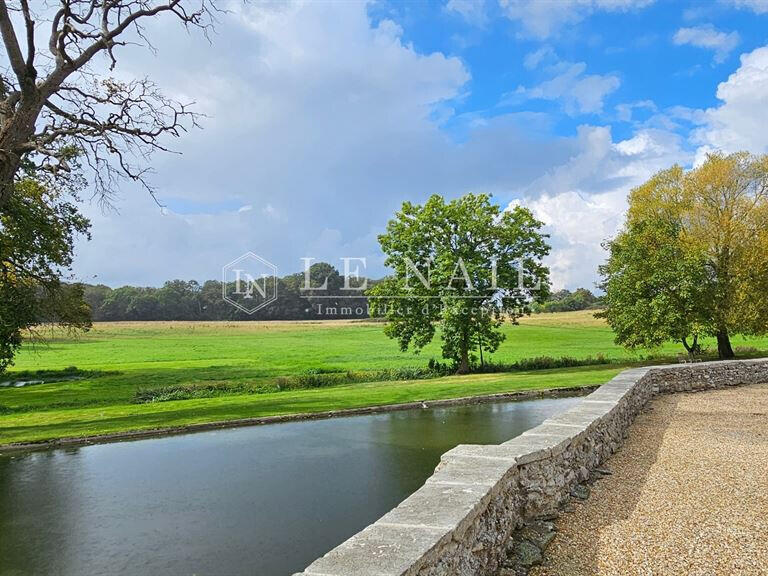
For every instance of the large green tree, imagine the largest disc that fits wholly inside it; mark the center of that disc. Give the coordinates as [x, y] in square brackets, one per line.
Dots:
[38, 228]
[692, 259]
[463, 265]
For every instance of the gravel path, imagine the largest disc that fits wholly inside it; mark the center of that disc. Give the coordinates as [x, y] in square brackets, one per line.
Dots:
[688, 494]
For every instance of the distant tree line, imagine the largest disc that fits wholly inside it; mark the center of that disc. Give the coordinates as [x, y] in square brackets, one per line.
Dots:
[567, 301]
[191, 300]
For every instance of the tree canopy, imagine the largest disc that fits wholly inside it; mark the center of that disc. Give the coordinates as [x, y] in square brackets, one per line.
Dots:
[461, 265]
[192, 300]
[567, 301]
[692, 258]
[38, 229]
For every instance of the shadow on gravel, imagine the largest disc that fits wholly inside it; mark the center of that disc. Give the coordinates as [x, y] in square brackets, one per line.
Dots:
[576, 548]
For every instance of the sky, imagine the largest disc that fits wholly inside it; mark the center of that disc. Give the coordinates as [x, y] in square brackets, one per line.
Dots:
[323, 117]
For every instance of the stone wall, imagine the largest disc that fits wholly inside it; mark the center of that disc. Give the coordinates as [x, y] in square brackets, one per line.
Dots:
[460, 522]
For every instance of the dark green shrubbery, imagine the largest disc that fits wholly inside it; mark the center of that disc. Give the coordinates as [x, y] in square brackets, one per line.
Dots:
[46, 376]
[545, 363]
[325, 377]
[187, 391]
[567, 301]
[314, 378]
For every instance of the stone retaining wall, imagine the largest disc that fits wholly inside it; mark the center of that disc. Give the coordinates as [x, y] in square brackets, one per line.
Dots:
[460, 521]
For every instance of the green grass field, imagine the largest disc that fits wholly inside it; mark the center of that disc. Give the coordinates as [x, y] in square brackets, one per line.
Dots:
[121, 358]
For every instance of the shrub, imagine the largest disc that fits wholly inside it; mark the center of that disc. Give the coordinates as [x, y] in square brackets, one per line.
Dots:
[187, 391]
[545, 363]
[326, 377]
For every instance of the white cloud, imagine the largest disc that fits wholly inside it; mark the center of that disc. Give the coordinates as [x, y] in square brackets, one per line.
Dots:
[578, 224]
[544, 19]
[316, 131]
[533, 59]
[757, 6]
[324, 135]
[473, 11]
[579, 92]
[583, 201]
[710, 38]
[739, 122]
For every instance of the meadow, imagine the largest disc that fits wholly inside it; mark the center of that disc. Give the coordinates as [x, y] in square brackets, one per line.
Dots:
[133, 376]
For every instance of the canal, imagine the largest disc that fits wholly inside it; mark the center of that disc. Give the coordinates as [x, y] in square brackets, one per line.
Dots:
[263, 501]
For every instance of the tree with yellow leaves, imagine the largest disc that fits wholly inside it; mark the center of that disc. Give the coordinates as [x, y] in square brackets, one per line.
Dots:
[692, 258]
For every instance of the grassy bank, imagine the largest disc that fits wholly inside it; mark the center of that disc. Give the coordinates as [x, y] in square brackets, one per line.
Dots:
[90, 421]
[130, 375]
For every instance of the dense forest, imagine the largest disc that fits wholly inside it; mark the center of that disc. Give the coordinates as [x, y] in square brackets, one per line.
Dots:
[567, 301]
[191, 300]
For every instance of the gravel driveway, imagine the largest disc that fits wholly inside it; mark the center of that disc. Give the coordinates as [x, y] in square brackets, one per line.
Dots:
[688, 494]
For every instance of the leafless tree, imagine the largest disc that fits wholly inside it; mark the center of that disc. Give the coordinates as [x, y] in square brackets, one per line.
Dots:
[58, 113]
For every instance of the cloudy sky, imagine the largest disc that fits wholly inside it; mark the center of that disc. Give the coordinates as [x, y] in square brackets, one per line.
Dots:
[323, 117]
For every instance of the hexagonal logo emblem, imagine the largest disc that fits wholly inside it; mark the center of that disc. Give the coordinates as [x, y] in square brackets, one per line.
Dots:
[249, 283]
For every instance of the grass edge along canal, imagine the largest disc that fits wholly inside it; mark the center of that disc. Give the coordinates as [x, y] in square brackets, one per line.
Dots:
[85, 422]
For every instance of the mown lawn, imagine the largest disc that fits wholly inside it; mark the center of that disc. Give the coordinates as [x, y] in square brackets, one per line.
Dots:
[125, 357]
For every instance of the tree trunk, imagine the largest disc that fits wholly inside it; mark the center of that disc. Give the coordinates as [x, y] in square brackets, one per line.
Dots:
[724, 349]
[692, 349]
[8, 170]
[480, 342]
[464, 361]
[16, 130]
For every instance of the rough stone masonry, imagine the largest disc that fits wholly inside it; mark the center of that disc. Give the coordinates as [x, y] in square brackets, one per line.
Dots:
[460, 522]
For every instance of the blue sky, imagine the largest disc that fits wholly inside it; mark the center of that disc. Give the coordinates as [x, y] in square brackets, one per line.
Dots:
[636, 46]
[323, 117]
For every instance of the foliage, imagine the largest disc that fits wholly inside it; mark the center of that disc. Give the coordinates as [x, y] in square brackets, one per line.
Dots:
[189, 300]
[692, 259]
[37, 233]
[461, 265]
[313, 378]
[549, 363]
[567, 301]
[320, 378]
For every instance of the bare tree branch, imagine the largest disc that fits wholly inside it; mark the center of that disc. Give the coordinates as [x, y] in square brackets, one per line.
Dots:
[56, 115]
[12, 45]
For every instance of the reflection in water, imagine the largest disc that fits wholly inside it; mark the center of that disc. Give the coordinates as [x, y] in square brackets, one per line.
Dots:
[265, 500]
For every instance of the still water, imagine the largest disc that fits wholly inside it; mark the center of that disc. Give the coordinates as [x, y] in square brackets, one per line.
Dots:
[264, 500]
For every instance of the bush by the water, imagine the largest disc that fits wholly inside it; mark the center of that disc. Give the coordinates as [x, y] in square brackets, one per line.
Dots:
[313, 378]
[545, 363]
[327, 377]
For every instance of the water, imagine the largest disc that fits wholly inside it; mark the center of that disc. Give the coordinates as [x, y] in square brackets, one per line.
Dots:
[264, 500]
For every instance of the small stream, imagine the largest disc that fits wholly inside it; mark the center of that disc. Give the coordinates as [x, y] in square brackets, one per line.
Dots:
[264, 500]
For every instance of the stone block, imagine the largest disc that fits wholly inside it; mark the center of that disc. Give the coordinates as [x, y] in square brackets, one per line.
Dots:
[471, 470]
[378, 550]
[487, 451]
[444, 506]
